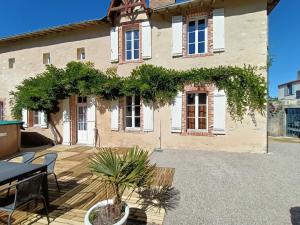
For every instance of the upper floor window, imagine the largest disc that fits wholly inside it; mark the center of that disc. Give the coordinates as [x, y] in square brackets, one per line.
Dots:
[297, 94]
[11, 63]
[197, 36]
[132, 112]
[80, 53]
[132, 45]
[1, 111]
[289, 89]
[46, 59]
[196, 111]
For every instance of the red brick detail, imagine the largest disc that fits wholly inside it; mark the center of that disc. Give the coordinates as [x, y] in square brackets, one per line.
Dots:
[122, 117]
[122, 29]
[30, 118]
[209, 90]
[73, 117]
[187, 16]
[159, 3]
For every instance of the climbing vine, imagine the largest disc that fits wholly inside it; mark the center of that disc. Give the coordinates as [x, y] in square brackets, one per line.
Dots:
[245, 89]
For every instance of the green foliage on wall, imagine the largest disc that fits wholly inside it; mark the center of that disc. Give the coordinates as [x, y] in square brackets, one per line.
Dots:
[245, 90]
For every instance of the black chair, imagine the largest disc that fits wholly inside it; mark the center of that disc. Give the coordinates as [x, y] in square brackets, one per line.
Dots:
[27, 157]
[49, 161]
[25, 191]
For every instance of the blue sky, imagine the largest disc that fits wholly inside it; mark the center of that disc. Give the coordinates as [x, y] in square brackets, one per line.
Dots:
[19, 16]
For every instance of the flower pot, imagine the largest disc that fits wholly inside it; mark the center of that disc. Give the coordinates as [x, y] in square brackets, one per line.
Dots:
[122, 221]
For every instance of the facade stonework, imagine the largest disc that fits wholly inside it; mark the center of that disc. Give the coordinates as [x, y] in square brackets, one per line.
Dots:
[246, 38]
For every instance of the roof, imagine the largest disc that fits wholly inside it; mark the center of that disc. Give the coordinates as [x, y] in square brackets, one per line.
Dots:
[290, 82]
[271, 5]
[50, 30]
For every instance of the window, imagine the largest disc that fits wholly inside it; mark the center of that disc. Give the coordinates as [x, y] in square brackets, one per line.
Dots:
[197, 36]
[1, 111]
[132, 45]
[11, 63]
[289, 89]
[197, 111]
[37, 119]
[82, 100]
[132, 112]
[80, 53]
[46, 59]
[297, 94]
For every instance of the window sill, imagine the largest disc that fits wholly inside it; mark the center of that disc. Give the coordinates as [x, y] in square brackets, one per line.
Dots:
[131, 61]
[198, 55]
[132, 129]
[196, 131]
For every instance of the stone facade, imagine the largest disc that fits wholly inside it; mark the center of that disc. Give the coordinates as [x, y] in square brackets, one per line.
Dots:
[246, 35]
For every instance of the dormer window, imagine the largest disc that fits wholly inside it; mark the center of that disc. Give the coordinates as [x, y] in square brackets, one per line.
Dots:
[46, 59]
[197, 36]
[132, 45]
[80, 53]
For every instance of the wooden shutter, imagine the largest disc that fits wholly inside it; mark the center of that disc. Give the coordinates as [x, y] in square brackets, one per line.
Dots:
[219, 112]
[218, 30]
[176, 113]
[177, 35]
[148, 117]
[44, 120]
[146, 40]
[114, 120]
[91, 121]
[114, 44]
[66, 122]
[25, 117]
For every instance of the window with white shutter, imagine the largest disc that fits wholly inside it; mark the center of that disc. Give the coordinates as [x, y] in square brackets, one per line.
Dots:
[114, 120]
[148, 113]
[218, 30]
[146, 40]
[176, 113]
[114, 44]
[219, 112]
[177, 35]
[25, 117]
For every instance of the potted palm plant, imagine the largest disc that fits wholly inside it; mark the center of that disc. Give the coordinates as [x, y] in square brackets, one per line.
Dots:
[132, 170]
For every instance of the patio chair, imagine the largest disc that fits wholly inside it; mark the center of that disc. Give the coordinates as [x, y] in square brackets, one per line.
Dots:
[25, 191]
[49, 161]
[27, 157]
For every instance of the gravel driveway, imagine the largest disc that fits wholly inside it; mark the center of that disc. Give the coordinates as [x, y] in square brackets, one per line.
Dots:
[219, 188]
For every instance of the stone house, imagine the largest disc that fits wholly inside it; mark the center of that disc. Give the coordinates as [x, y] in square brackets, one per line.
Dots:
[179, 35]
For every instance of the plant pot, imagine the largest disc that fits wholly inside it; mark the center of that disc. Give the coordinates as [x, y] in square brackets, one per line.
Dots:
[122, 221]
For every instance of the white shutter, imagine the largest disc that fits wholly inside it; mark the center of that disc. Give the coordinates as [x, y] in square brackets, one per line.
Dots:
[148, 116]
[176, 111]
[114, 120]
[177, 35]
[218, 30]
[91, 121]
[219, 112]
[25, 117]
[66, 122]
[44, 119]
[114, 44]
[146, 40]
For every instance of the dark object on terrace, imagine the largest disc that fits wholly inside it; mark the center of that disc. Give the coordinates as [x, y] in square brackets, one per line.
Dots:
[49, 161]
[27, 157]
[26, 190]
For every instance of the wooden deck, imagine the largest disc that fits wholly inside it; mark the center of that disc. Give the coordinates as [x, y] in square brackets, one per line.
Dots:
[80, 189]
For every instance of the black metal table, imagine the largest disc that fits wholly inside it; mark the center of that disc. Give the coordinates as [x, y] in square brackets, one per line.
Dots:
[11, 171]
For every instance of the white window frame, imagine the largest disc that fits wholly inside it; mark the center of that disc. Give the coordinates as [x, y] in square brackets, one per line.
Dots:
[196, 19]
[11, 63]
[132, 45]
[197, 112]
[37, 114]
[132, 127]
[81, 54]
[46, 61]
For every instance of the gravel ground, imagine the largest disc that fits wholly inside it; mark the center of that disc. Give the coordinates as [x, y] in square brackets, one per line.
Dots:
[219, 188]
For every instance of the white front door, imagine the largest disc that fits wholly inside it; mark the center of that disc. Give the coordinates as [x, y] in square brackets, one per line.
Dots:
[82, 125]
